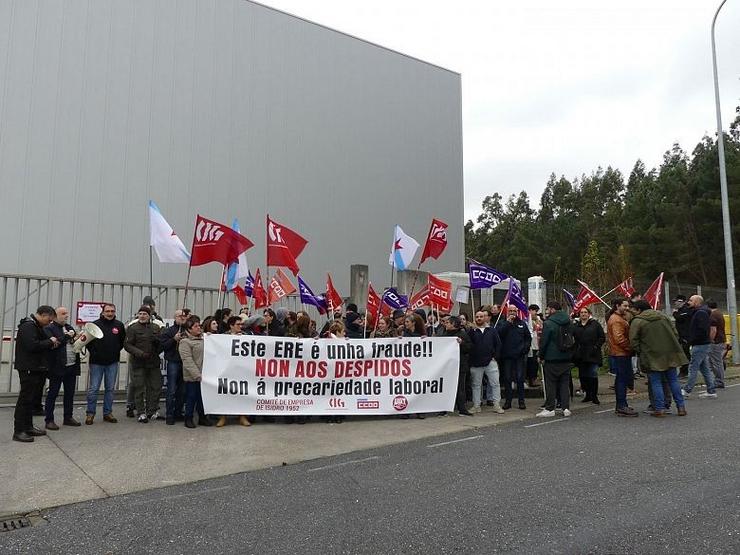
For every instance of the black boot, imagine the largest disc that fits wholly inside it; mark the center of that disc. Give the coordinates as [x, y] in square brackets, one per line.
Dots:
[586, 388]
[595, 391]
[189, 423]
[203, 420]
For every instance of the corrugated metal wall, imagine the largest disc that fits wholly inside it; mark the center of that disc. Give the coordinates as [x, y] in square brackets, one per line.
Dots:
[226, 108]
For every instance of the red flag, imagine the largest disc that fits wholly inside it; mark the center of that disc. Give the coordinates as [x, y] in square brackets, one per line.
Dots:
[626, 288]
[420, 299]
[333, 299]
[258, 292]
[652, 295]
[373, 302]
[440, 293]
[586, 297]
[279, 287]
[284, 246]
[215, 242]
[436, 240]
[241, 295]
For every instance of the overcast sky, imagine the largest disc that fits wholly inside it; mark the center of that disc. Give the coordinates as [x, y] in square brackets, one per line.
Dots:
[563, 86]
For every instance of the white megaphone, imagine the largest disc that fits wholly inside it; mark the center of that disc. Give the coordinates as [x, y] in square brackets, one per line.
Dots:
[89, 332]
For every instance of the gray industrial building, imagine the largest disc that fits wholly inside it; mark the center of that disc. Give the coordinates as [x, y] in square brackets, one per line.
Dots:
[225, 108]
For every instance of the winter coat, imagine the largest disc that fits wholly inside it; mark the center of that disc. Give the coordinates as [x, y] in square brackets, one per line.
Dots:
[465, 347]
[142, 341]
[683, 321]
[699, 327]
[618, 334]
[549, 350]
[107, 349]
[486, 345]
[32, 346]
[515, 338]
[190, 349]
[169, 344]
[58, 357]
[589, 340]
[655, 340]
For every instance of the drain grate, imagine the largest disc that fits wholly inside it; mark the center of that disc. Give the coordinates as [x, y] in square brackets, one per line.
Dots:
[16, 523]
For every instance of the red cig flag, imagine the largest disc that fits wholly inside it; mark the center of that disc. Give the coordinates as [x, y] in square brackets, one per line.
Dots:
[284, 246]
[436, 240]
[215, 242]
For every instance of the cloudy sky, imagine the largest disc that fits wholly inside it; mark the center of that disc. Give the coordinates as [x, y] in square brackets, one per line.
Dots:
[559, 86]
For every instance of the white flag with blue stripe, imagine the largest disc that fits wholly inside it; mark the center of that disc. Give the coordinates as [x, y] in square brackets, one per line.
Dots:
[403, 250]
[165, 241]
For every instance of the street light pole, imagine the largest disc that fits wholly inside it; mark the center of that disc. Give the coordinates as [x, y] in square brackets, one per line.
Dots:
[729, 264]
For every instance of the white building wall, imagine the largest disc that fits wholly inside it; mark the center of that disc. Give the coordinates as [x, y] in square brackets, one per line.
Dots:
[222, 107]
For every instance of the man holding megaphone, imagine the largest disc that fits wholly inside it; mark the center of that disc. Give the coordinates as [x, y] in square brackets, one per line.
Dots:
[64, 367]
[105, 354]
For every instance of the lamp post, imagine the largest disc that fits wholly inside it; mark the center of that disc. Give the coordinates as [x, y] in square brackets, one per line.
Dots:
[729, 264]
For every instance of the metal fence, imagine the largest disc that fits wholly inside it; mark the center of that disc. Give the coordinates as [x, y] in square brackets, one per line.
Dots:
[20, 295]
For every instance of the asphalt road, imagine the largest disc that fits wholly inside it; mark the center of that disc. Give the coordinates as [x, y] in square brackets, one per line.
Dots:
[593, 483]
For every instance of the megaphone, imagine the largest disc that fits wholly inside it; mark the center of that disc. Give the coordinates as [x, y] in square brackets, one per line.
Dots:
[89, 332]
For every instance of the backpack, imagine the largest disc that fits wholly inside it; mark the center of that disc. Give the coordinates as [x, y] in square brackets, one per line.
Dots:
[566, 339]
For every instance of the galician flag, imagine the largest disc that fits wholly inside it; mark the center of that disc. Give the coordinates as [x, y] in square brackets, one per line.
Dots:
[239, 269]
[403, 250]
[164, 240]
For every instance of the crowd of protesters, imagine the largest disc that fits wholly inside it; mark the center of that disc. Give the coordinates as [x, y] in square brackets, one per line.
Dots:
[497, 349]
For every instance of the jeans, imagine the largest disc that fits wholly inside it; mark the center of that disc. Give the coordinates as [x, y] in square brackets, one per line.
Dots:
[698, 363]
[193, 399]
[23, 416]
[69, 381]
[175, 388]
[557, 384]
[97, 373]
[513, 370]
[130, 401]
[622, 365]
[656, 383]
[476, 381]
[717, 363]
[533, 367]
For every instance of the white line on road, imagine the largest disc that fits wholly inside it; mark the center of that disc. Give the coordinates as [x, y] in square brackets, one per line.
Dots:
[603, 411]
[733, 385]
[548, 422]
[345, 463]
[453, 441]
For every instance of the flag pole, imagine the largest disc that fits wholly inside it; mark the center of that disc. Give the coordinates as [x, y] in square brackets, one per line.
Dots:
[187, 284]
[151, 273]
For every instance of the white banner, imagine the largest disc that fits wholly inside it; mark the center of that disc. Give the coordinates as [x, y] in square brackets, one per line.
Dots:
[253, 375]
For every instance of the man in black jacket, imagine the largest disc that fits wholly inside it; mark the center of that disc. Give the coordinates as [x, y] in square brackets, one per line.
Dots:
[64, 367]
[682, 314]
[700, 345]
[105, 354]
[32, 347]
[485, 348]
[515, 343]
[170, 338]
[452, 329]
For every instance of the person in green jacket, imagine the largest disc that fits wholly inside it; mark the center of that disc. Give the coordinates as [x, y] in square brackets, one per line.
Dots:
[557, 360]
[654, 339]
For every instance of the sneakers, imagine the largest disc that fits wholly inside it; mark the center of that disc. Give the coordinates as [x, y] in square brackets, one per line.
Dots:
[567, 413]
[89, 419]
[707, 395]
[143, 418]
[474, 410]
[544, 413]
[685, 394]
[154, 416]
[626, 411]
[497, 409]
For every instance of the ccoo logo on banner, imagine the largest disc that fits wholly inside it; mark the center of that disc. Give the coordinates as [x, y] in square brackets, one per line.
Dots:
[276, 375]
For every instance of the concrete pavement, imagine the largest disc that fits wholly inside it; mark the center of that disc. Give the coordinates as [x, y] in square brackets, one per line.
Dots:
[103, 460]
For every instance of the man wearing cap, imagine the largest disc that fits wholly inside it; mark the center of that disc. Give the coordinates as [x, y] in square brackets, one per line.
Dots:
[143, 344]
[170, 338]
[130, 402]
